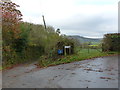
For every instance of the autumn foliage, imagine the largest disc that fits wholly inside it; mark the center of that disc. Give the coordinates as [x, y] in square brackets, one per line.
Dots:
[11, 18]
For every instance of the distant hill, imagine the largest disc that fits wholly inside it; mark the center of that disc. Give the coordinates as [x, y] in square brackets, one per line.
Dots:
[85, 40]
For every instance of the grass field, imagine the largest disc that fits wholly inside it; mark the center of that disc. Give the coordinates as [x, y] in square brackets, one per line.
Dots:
[82, 54]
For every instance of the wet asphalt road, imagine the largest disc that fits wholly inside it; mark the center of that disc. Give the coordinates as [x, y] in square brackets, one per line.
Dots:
[94, 73]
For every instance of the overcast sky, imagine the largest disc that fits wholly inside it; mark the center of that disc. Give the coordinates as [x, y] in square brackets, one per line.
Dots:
[89, 18]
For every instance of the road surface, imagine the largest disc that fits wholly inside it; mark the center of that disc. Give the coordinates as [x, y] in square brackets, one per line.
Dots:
[95, 73]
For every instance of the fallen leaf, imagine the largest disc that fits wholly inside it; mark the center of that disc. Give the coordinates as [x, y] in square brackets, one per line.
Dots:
[105, 78]
[72, 73]
[99, 71]
[88, 69]
[14, 76]
[67, 69]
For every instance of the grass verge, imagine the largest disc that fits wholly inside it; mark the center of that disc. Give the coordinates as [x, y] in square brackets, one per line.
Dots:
[82, 54]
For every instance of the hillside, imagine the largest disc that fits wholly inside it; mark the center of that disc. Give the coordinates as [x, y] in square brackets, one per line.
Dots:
[85, 40]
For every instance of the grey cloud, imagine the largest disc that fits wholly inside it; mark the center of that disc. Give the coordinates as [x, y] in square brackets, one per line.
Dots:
[89, 26]
[91, 23]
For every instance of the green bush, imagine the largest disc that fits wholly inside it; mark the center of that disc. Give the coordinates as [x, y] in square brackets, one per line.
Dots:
[111, 42]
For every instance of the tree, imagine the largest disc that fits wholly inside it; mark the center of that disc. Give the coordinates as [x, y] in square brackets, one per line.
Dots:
[10, 21]
[11, 17]
[111, 42]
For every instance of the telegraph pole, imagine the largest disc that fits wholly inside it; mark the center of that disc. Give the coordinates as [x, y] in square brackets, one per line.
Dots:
[44, 21]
